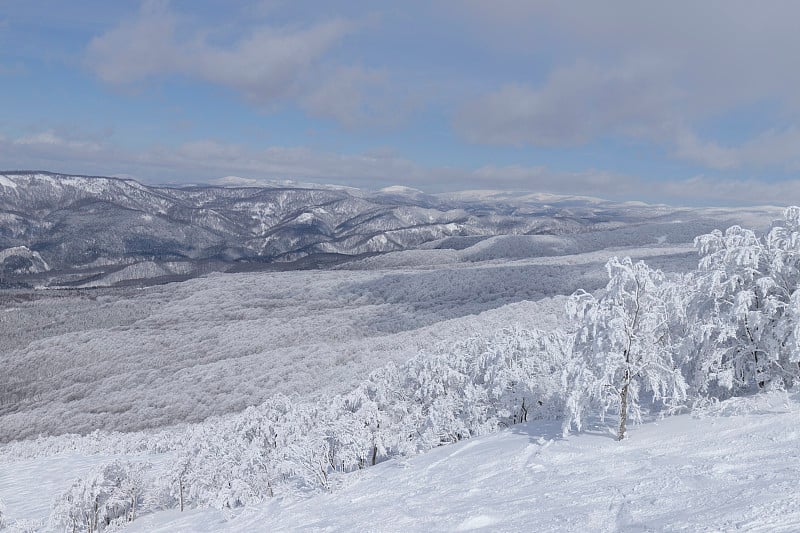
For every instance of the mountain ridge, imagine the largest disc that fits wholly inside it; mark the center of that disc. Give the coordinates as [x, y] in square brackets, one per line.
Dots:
[77, 224]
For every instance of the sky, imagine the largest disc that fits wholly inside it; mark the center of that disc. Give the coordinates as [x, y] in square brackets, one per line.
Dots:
[682, 102]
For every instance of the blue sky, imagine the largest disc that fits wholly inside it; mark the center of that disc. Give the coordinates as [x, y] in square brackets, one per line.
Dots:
[678, 102]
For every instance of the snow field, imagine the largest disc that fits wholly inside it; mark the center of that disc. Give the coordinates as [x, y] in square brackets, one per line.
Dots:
[735, 467]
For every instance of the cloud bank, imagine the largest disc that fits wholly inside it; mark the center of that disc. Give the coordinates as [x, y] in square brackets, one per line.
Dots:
[209, 160]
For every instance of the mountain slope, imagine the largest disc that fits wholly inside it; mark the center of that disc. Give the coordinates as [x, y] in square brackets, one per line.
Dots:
[88, 229]
[734, 467]
[729, 467]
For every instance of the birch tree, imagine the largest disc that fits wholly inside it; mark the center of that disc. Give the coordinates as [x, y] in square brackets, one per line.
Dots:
[622, 348]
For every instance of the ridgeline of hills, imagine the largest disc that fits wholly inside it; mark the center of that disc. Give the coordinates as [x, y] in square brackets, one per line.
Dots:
[65, 230]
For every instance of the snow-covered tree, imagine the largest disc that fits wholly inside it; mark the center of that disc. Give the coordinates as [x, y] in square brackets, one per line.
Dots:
[729, 307]
[211, 469]
[111, 495]
[746, 307]
[621, 347]
[357, 428]
[399, 415]
[523, 371]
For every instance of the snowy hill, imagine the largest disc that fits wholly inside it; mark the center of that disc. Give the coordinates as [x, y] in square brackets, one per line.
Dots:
[732, 466]
[216, 344]
[89, 230]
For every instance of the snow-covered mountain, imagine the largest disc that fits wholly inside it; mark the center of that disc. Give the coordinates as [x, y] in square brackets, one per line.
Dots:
[240, 397]
[81, 230]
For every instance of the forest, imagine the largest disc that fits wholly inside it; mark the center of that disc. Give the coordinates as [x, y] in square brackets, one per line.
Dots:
[648, 345]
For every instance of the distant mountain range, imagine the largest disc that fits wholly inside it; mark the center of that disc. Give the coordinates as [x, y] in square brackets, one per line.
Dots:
[65, 230]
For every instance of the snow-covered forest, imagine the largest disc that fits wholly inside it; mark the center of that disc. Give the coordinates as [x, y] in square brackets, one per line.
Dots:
[646, 345]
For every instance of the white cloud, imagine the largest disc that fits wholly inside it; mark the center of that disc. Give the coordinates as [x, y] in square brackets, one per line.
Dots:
[695, 190]
[585, 102]
[357, 97]
[201, 160]
[541, 179]
[266, 64]
[716, 191]
[773, 147]
[574, 106]
[770, 149]
[206, 160]
[707, 153]
[138, 48]
[654, 71]
[49, 138]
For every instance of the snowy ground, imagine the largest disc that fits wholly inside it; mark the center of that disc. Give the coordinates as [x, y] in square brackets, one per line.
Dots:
[731, 467]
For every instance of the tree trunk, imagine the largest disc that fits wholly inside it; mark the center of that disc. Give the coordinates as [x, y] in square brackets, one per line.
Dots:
[180, 482]
[623, 410]
[759, 372]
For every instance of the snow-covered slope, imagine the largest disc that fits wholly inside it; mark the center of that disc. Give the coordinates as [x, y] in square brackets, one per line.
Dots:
[132, 359]
[140, 358]
[20, 260]
[83, 226]
[733, 466]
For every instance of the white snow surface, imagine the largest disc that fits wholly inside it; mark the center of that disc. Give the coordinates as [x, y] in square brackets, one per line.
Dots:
[732, 467]
[736, 468]
[210, 346]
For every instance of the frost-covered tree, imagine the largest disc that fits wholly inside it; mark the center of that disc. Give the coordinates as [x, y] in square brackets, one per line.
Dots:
[780, 294]
[442, 391]
[112, 495]
[621, 347]
[212, 469]
[357, 422]
[746, 306]
[399, 416]
[730, 307]
[523, 371]
[176, 479]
